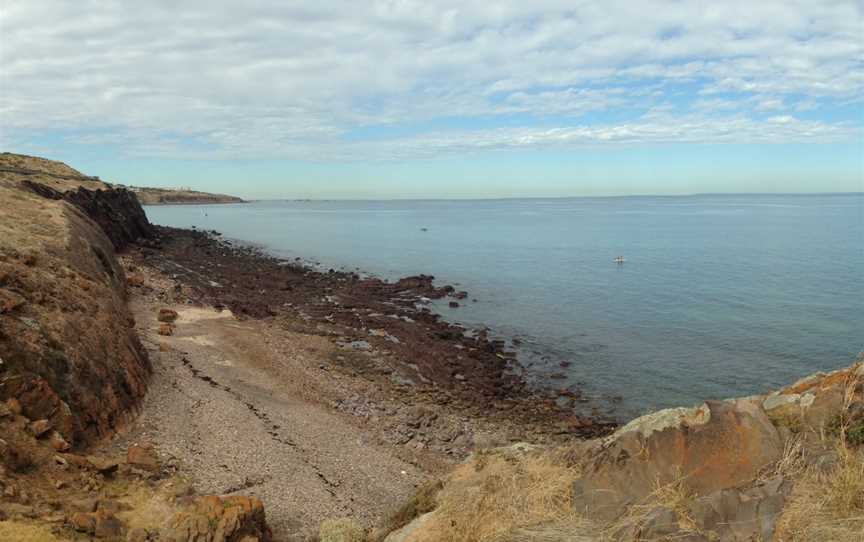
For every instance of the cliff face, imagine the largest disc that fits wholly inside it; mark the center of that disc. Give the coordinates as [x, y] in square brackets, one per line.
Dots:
[68, 353]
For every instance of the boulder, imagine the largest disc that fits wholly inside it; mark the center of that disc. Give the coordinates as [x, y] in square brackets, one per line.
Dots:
[814, 403]
[58, 442]
[142, 456]
[107, 526]
[167, 315]
[734, 515]
[84, 522]
[103, 465]
[221, 519]
[718, 445]
[166, 329]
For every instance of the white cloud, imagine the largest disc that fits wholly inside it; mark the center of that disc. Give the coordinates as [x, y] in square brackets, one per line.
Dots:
[291, 79]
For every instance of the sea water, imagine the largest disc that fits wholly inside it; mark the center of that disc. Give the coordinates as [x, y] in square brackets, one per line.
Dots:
[719, 295]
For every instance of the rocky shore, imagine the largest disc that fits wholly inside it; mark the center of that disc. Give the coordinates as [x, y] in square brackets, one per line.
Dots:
[387, 332]
[166, 384]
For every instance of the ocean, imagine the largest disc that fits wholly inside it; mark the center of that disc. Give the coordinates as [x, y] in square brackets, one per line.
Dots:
[719, 295]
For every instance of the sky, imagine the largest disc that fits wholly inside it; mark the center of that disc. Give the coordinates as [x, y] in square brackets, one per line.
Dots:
[393, 99]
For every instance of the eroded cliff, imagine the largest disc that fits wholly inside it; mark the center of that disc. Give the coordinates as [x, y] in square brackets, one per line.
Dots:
[69, 353]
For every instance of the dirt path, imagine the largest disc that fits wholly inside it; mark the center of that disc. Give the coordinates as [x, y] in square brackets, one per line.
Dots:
[233, 412]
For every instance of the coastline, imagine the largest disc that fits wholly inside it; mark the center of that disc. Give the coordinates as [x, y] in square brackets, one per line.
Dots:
[354, 392]
[199, 202]
[417, 352]
[162, 384]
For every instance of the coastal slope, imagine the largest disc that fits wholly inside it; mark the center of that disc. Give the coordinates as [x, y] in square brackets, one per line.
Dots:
[165, 196]
[73, 373]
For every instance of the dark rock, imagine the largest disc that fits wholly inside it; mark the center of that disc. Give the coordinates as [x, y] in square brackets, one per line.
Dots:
[83, 522]
[167, 315]
[107, 526]
[116, 210]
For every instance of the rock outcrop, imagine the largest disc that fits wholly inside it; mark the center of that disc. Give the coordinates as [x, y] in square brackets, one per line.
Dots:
[724, 471]
[70, 356]
[221, 519]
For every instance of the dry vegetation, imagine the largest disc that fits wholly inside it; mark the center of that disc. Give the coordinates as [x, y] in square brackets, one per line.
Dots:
[509, 495]
[827, 502]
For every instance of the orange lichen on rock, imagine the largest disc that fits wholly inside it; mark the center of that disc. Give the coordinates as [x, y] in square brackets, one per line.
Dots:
[221, 519]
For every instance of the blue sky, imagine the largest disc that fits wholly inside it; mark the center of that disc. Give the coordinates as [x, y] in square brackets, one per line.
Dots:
[441, 99]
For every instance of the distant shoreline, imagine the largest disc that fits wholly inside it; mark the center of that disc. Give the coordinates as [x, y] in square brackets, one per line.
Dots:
[200, 202]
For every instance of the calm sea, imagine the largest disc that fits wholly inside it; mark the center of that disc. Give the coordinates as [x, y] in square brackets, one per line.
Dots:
[719, 296]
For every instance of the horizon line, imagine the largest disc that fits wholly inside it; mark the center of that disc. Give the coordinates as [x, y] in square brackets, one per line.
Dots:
[611, 196]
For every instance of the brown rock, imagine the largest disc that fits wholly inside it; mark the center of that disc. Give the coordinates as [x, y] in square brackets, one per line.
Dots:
[107, 525]
[220, 519]
[59, 443]
[83, 522]
[17, 460]
[9, 300]
[134, 279]
[716, 446]
[137, 535]
[166, 329]
[85, 505]
[76, 460]
[14, 406]
[143, 457]
[167, 315]
[103, 465]
[39, 428]
[748, 514]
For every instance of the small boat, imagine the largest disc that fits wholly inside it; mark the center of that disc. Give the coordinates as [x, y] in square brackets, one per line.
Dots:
[620, 259]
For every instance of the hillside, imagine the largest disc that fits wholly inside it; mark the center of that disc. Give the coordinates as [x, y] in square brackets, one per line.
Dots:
[73, 372]
[163, 196]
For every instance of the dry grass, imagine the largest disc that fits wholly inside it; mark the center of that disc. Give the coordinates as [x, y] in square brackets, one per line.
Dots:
[424, 500]
[675, 496]
[498, 495]
[25, 532]
[828, 505]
